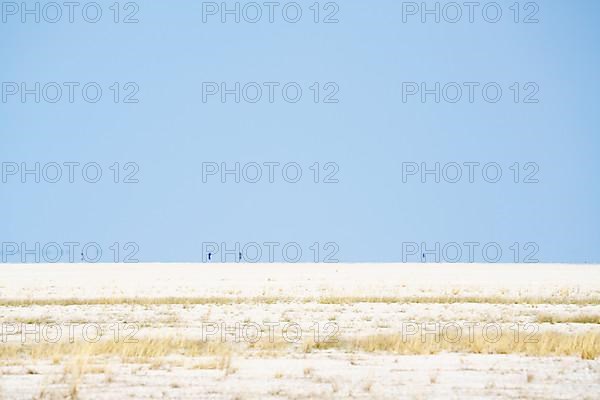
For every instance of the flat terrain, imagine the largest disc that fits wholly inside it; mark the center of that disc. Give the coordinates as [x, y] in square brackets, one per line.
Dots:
[248, 331]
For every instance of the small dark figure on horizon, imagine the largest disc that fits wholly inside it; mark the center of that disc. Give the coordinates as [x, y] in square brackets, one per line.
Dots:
[424, 258]
[209, 256]
[240, 256]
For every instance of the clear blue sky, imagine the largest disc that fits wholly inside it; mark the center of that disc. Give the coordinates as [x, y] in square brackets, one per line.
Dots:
[369, 133]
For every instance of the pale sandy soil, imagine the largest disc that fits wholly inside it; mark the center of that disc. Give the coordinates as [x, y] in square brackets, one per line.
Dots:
[293, 293]
[301, 281]
[322, 376]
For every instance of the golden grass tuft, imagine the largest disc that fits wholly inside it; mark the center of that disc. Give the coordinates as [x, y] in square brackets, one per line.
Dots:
[221, 362]
[338, 300]
[462, 299]
[585, 345]
[572, 319]
[143, 349]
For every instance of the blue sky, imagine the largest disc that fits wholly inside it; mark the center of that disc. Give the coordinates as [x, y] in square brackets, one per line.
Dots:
[368, 133]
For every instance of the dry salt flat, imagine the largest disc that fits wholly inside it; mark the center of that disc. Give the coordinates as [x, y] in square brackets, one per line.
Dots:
[296, 280]
[171, 307]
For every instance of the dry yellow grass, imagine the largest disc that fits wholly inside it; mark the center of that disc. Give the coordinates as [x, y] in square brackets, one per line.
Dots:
[573, 319]
[143, 349]
[286, 300]
[33, 320]
[222, 362]
[462, 299]
[585, 345]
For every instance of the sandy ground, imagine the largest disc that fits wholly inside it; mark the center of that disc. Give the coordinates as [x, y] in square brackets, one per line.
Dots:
[324, 376]
[294, 292]
[301, 280]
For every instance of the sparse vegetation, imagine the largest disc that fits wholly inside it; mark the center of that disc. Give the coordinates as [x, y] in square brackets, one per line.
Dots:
[366, 361]
[462, 299]
[141, 350]
[586, 345]
[343, 300]
[221, 362]
[568, 319]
